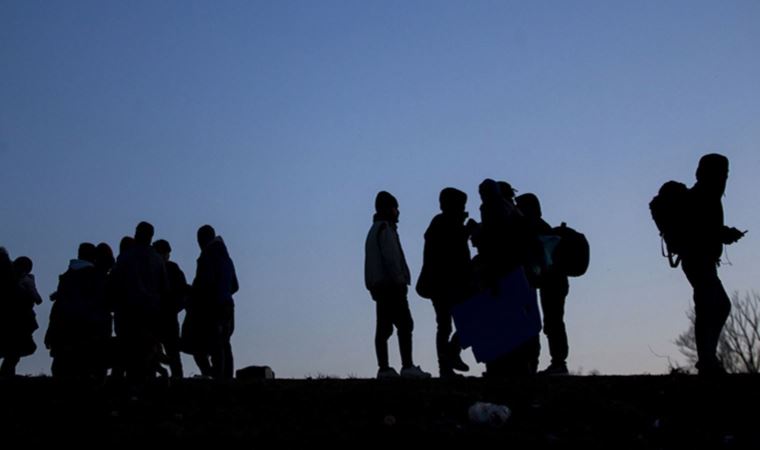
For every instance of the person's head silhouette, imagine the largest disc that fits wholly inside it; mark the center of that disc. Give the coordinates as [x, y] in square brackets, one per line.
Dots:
[712, 173]
[206, 234]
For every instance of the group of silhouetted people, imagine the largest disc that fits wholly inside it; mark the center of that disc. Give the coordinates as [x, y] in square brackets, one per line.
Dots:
[512, 235]
[120, 315]
[507, 238]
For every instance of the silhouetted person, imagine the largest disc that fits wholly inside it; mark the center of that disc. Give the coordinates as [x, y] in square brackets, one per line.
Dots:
[447, 274]
[117, 354]
[701, 254]
[553, 287]
[22, 319]
[126, 243]
[74, 334]
[140, 285]
[387, 278]
[501, 242]
[176, 299]
[17, 303]
[7, 288]
[498, 236]
[210, 319]
[22, 267]
[104, 351]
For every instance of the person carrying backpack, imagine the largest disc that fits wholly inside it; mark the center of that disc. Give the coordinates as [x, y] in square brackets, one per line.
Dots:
[553, 287]
[697, 236]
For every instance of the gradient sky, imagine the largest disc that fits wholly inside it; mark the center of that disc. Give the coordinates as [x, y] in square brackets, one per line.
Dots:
[278, 121]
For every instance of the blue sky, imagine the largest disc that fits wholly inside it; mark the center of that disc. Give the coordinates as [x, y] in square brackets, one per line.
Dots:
[277, 122]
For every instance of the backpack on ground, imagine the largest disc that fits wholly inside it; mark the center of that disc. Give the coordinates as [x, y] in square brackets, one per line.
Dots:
[572, 253]
[668, 210]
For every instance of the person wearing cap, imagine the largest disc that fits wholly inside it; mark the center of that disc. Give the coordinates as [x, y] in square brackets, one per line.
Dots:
[446, 275]
[387, 278]
[700, 258]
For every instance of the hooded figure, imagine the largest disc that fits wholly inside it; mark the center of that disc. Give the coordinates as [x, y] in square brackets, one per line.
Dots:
[210, 319]
[700, 258]
[79, 322]
[501, 235]
[553, 289]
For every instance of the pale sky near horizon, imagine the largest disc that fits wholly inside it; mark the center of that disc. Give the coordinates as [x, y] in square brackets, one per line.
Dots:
[278, 121]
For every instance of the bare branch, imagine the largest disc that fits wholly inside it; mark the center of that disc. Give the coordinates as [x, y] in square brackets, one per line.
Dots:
[739, 345]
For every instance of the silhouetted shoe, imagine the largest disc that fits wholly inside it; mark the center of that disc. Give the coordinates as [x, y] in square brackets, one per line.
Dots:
[385, 373]
[458, 364]
[556, 369]
[414, 373]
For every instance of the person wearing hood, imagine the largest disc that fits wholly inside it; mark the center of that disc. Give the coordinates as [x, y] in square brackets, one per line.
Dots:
[210, 319]
[70, 334]
[553, 289]
[700, 258]
[446, 276]
[386, 276]
[501, 240]
[499, 234]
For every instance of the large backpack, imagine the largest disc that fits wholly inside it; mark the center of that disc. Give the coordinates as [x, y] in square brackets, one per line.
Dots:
[572, 254]
[669, 208]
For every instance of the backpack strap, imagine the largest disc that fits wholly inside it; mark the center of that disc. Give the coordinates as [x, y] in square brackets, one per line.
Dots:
[673, 263]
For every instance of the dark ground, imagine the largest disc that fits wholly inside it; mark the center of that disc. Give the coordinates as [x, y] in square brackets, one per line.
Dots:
[669, 411]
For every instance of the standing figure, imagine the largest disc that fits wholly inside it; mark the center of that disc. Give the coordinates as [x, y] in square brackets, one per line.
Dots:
[140, 287]
[553, 287]
[18, 296]
[210, 319]
[387, 278]
[177, 296]
[446, 276]
[706, 234]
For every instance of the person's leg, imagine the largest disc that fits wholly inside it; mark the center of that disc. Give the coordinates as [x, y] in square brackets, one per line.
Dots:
[455, 351]
[402, 318]
[553, 306]
[228, 368]
[202, 361]
[171, 347]
[712, 307]
[443, 331]
[383, 331]
[221, 354]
